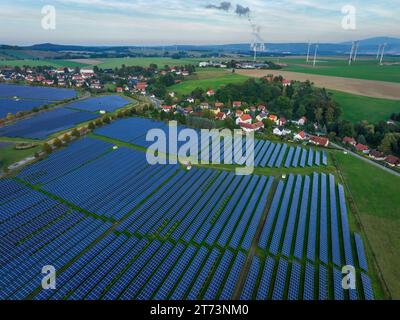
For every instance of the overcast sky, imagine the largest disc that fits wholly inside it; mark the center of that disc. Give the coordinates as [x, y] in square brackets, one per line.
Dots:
[150, 22]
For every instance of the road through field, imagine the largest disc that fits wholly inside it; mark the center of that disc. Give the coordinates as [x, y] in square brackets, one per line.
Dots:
[369, 88]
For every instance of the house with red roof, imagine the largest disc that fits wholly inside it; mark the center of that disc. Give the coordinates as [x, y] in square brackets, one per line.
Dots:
[392, 161]
[244, 119]
[167, 108]
[349, 140]
[319, 141]
[301, 136]
[273, 118]
[286, 82]
[362, 148]
[237, 104]
[141, 86]
[119, 89]
[251, 127]
[220, 116]
[210, 93]
[377, 155]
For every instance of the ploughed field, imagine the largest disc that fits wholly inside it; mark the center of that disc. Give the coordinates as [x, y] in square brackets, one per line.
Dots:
[115, 227]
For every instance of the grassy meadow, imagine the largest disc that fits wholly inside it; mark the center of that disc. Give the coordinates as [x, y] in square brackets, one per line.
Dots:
[376, 196]
[357, 108]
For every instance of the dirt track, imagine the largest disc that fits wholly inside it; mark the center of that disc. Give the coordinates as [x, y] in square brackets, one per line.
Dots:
[376, 89]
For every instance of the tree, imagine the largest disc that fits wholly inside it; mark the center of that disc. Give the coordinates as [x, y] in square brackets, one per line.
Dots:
[57, 143]
[361, 139]
[106, 120]
[66, 138]
[10, 116]
[91, 126]
[75, 133]
[46, 148]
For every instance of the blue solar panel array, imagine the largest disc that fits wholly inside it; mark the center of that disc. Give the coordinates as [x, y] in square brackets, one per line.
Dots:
[47, 123]
[102, 103]
[35, 93]
[15, 106]
[266, 154]
[105, 251]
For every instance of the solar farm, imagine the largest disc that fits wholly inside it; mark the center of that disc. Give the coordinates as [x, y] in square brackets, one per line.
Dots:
[47, 123]
[16, 98]
[115, 227]
[266, 154]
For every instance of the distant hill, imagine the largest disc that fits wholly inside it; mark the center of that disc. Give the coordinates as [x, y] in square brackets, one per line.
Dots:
[367, 46]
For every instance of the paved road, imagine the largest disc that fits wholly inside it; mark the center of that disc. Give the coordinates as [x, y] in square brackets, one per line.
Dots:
[367, 160]
[156, 102]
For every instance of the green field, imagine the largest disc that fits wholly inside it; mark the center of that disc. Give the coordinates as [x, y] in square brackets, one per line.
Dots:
[361, 69]
[34, 63]
[145, 62]
[8, 155]
[376, 195]
[214, 83]
[357, 108]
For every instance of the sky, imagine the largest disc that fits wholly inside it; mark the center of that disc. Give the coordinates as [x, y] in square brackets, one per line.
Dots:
[170, 22]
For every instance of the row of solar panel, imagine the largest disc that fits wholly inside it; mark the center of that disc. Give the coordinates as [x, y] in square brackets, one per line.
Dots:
[135, 130]
[281, 280]
[182, 209]
[289, 218]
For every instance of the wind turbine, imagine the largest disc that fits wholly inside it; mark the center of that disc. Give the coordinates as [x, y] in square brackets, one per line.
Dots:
[308, 51]
[356, 51]
[315, 54]
[379, 51]
[351, 53]
[383, 52]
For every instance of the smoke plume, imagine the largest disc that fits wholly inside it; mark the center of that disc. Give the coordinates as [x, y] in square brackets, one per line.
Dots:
[225, 6]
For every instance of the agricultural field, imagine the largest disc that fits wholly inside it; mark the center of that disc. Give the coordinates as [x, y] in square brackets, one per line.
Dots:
[376, 196]
[133, 231]
[9, 155]
[357, 108]
[361, 69]
[209, 81]
[145, 62]
[56, 63]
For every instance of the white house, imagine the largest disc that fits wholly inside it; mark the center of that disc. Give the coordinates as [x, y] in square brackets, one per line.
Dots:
[281, 132]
